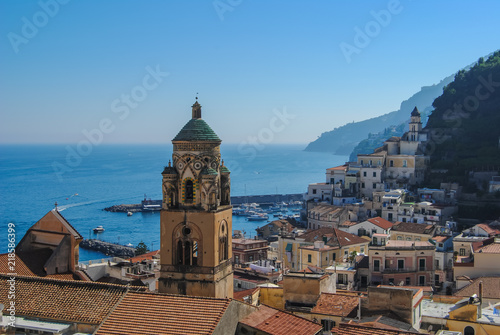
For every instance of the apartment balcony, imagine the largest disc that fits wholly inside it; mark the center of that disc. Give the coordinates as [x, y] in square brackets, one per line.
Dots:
[405, 270]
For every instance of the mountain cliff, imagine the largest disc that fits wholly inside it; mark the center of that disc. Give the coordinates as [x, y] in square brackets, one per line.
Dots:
[464, 126]
[342, 140]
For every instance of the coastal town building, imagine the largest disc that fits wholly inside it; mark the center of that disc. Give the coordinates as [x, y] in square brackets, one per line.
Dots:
[324, 215]
[409, 231]
[50, 246]
[274, 228]
[248, 250]
[320, 248]
[401, 263]
[460, 315]
[482, 261]
[196, 215]
[369, 227]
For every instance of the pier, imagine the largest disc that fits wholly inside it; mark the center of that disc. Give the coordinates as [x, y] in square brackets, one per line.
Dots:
[109, 249]
[267, 199]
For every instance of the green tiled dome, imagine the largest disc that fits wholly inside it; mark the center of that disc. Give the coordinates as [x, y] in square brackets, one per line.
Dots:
[224, 169]
[196, 130]
[209, 171]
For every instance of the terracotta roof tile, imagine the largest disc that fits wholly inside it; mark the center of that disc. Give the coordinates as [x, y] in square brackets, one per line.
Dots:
[382, 223]
[345, 239]
[493, 248]
[72, 301]
[275, 322]
[338, 168]
[21, 269]
[416, 228]
[489, 230]
[353, 329]
[440, 239]
[336, 304]
[140, 258]
[335, 237]
[239, 295]
[349, 223]
[153, 313]
[491, 288]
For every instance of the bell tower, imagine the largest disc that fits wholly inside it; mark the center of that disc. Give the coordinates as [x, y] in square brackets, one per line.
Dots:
[196, 215]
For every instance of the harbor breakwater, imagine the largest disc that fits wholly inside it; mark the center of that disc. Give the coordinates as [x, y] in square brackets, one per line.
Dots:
[267, 199]
[109, 249]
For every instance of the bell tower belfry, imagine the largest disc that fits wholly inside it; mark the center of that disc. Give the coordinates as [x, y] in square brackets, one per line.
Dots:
[196, 215]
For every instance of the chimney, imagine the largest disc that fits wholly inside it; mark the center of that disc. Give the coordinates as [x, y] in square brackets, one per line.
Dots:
[319, 244]
[479, 311]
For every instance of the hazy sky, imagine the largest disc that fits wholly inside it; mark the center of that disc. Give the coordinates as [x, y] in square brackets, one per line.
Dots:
[275, 71]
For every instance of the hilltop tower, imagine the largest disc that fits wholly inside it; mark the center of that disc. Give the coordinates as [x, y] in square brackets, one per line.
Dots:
[415, 125]
[196, 215]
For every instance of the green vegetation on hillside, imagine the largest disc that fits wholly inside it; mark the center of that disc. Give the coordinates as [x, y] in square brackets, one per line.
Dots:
[465, 124]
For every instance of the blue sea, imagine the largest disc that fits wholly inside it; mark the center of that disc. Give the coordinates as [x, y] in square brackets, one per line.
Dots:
[34, 177]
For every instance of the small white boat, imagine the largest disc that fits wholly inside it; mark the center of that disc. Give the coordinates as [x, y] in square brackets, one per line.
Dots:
[99, 229]
[258, 217]
[129, 213]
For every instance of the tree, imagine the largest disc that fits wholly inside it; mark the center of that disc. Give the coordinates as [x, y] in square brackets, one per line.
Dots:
[141, 248]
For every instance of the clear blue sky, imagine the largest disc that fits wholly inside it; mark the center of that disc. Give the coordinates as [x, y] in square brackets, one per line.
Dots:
[246, 59]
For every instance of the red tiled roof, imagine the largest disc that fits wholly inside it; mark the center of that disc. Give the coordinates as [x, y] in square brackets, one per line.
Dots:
[19, 267]
[491, 288]
[62, 300]
[348, 223]
[382, 223]
[353, 329]
[338, 168]
[23, 270]
[345, 238]
[440, 239]
[142, 257]
[239, 295]
[335, 304]
[489, 230]
[153, 313]
[493, 248]
[335, 237]
[275, 322]
[416, 228]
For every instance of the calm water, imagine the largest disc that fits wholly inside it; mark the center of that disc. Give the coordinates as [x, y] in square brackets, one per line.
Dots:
[33, 178]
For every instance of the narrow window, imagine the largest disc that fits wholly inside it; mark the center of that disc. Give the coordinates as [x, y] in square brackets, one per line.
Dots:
[421, 264]
[309, 258]
[188, 189]
[180, 253]
[187, 253]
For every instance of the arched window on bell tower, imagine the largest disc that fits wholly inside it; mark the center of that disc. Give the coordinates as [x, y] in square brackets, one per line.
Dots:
[187, 248]
[189, 192]
[223, 242]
